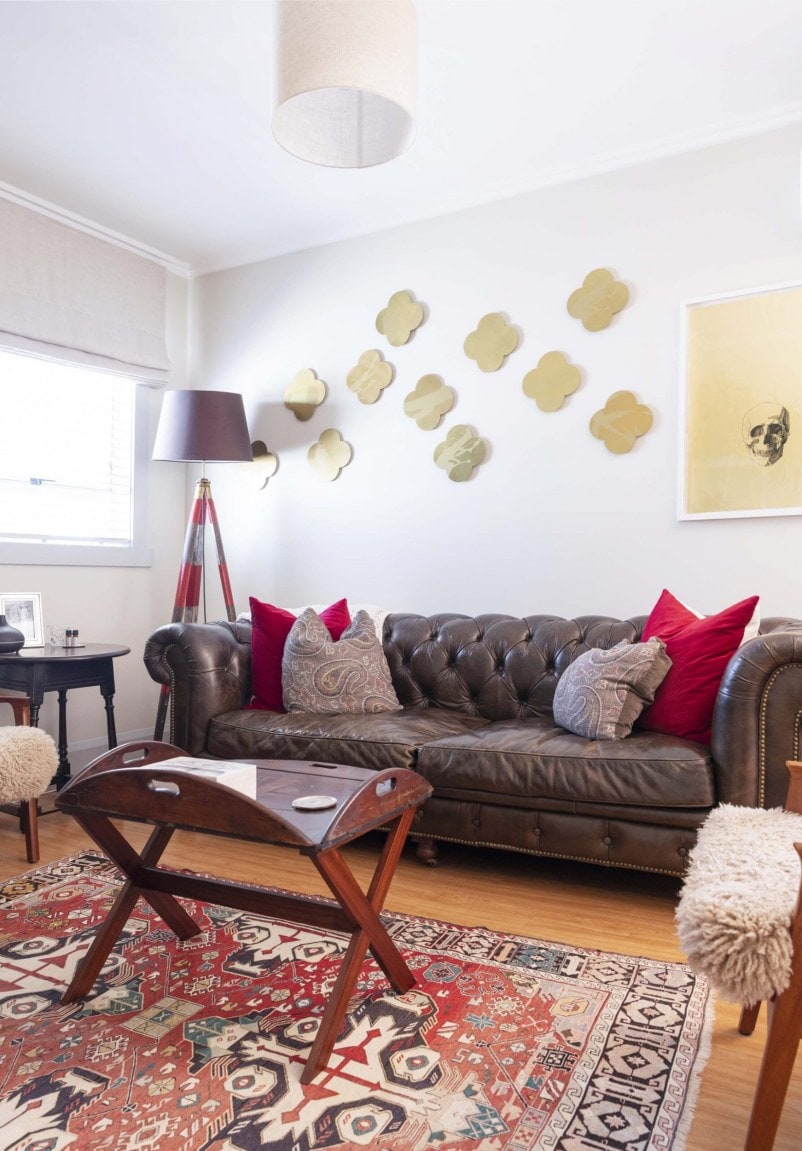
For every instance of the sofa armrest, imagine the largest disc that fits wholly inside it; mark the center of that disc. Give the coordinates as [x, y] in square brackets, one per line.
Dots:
[207, 667]
[756, 721]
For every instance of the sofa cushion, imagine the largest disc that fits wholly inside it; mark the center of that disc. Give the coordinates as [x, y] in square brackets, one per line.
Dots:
[603, 692]
[700, 650]
[335, 677]
[527, 761]
[387, 740]
[270, 627]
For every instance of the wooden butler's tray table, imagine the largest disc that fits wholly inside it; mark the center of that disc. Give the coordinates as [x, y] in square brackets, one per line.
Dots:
[127, 783]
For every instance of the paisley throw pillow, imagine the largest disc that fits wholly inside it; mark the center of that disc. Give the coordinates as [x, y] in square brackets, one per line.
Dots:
[604, 691]
[335, 677]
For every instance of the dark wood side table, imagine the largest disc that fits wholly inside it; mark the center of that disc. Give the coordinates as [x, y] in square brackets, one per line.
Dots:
[35, 670]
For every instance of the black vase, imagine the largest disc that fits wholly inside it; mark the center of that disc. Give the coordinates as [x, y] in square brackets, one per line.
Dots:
[11, 638]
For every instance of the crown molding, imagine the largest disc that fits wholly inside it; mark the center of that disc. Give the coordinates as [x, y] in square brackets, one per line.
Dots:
[62, 216]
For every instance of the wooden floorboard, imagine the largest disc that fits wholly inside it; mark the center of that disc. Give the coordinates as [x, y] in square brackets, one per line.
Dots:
[589, 906]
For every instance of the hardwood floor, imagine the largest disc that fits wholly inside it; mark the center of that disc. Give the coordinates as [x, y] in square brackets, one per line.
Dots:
[610, 909]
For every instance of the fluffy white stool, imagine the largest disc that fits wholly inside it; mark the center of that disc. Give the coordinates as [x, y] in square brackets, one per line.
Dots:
[28, 761]
[740, 925]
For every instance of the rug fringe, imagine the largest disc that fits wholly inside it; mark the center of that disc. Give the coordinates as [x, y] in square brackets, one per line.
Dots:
[695, 1082]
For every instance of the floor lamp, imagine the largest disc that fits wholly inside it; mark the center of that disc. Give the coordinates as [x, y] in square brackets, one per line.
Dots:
[199, 426]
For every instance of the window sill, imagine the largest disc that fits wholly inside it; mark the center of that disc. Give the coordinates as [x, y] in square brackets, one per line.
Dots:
[70, 555]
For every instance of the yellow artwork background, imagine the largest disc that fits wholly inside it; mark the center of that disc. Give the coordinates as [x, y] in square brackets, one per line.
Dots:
[742, 351]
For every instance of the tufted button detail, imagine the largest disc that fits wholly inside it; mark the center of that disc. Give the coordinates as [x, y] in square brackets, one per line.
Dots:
[607, 840]
[682, 851]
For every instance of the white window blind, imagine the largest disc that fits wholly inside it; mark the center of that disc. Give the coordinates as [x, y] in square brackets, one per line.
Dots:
[78, 297]
[66, 454]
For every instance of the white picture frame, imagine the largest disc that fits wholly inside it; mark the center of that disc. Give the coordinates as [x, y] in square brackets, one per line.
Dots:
[740, 428]
[23, 610]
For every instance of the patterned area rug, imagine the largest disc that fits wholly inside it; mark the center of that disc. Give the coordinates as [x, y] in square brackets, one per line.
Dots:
[505, 1044]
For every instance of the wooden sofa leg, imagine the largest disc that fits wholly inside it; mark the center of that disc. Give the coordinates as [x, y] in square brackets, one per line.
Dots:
[426, 851]
[749, 1014]
[29, 821]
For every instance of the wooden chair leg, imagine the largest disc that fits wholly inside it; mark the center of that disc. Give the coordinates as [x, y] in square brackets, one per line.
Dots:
[782, 1042]
[749, 1014]
[29, 820]
[20, 705]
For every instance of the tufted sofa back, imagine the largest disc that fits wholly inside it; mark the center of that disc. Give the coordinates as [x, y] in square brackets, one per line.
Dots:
[496, 666]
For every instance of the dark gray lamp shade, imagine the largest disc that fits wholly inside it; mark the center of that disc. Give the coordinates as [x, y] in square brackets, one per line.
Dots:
[201, 425]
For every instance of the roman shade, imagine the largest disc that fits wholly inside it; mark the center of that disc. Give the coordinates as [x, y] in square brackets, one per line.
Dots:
[72, 296]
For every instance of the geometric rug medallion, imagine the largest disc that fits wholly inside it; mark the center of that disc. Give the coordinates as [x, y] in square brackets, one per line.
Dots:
[504, 1044]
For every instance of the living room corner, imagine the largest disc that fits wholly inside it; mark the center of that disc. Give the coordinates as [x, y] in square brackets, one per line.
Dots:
[518, 538]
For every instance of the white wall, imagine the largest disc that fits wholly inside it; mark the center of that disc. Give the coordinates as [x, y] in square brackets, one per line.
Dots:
[120, 605]
[552, 522]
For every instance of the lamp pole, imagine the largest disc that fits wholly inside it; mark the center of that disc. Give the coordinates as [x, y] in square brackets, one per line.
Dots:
[199, 425]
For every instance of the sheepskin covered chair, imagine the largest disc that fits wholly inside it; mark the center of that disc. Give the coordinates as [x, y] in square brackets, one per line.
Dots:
[739, 921]
[28, 761]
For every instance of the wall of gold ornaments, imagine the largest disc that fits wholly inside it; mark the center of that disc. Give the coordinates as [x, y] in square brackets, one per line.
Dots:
[596, 303]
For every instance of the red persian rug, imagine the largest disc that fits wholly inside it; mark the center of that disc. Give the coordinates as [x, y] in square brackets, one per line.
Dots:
[505, 1044]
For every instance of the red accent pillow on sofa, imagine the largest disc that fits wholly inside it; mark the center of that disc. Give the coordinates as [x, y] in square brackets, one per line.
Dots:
[700, 650]
[270, 627]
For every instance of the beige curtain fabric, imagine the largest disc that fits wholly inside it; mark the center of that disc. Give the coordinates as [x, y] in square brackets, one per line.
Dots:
[69, 295]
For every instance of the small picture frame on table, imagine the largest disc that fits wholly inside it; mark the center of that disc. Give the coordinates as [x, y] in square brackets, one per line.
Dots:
[23, 610]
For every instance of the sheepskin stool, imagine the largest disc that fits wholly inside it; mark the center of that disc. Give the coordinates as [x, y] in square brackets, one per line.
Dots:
[739, 925]
[28, 761]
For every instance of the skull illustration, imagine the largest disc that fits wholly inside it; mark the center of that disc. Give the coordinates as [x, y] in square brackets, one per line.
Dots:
[765, 432]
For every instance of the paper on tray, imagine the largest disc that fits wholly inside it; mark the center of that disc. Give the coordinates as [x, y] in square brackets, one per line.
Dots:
[239, 776]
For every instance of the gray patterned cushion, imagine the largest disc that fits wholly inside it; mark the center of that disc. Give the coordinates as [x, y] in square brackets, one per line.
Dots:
[603, 692]
[333, 678]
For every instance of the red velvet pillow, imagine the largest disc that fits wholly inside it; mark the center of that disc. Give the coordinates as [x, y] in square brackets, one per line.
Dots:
[700, 650]
[270, 627]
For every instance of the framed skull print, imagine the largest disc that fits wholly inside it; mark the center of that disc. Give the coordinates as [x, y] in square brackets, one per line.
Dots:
[741, 413]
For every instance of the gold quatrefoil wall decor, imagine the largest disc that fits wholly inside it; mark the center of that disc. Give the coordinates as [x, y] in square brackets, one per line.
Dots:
[551, 381]
[460, 452]
[598, 300]
[620, 422]
[429, 402]
[491, 342]
[264, 465]
[305, 394]
[330, 454]
[369, 377]
[400, 318]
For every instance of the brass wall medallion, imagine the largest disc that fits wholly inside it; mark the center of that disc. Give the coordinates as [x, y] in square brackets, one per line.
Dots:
[369, 377]
[264, 465]
[400, 318]
[305, 393]
[330, 454]
[551, 381]
[460, 452]
[491, 342]
[597, 301]
[429, 402]
[619, 423]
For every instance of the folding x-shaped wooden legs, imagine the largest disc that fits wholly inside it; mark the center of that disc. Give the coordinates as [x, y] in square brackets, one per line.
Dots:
[120, 851]
[368, 933]
[359, 914]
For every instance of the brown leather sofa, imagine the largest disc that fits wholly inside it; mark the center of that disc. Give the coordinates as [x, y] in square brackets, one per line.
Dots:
[477, 723]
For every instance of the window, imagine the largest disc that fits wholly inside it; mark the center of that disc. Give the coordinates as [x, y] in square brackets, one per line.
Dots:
[68, 464]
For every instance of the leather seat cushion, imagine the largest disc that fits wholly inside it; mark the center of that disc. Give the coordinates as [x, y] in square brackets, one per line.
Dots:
[530, 760]
[387, 740]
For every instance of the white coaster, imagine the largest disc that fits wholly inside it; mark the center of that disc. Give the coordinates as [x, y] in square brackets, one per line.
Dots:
[314, 802]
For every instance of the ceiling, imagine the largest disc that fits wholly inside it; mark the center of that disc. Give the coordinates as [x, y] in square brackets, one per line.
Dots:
[152, 119]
